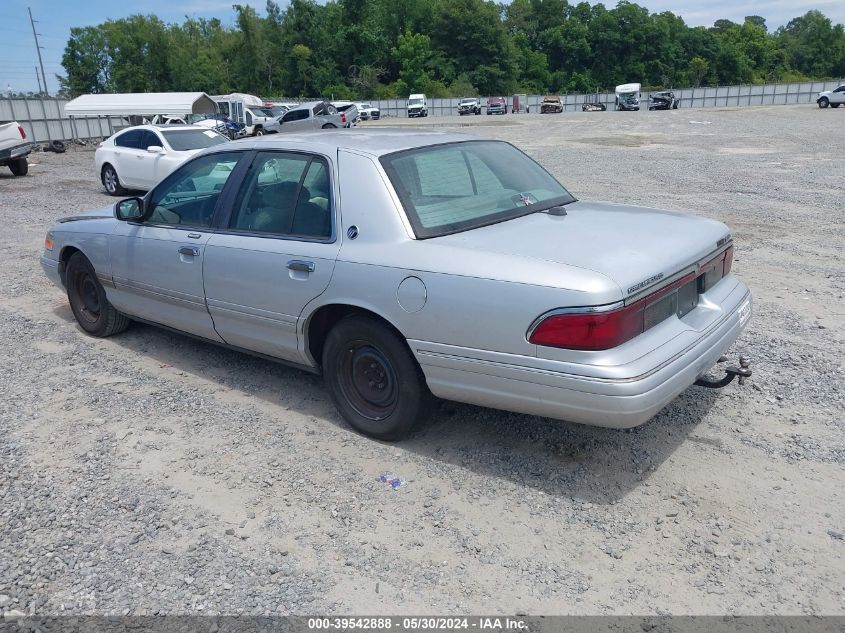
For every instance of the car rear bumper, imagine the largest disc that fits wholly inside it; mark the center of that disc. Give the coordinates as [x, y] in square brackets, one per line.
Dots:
[528, 385]
[16, 152]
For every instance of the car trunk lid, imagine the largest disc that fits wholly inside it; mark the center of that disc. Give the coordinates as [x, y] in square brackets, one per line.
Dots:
[636, 247]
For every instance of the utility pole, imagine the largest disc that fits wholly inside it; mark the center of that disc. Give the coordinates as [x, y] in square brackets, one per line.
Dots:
[38, 79]
[38, 49]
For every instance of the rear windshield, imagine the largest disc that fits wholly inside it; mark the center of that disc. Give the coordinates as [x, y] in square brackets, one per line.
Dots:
[181, 140]
[459, 186]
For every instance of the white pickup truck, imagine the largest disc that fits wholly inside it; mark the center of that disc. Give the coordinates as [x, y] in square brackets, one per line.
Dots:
[14, 147]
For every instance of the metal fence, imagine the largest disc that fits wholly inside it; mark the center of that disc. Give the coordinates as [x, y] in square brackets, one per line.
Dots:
[704, 97]
[44, 119]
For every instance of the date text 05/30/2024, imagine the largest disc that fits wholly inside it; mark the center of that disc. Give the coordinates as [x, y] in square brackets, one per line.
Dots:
[425, 623]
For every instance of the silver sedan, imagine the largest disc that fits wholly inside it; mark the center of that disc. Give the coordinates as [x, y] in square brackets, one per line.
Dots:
[408, 265]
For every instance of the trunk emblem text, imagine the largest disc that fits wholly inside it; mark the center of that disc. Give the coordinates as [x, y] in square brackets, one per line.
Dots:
[645, 283]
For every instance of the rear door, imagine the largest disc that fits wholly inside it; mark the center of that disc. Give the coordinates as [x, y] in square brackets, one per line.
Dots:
[274, 253]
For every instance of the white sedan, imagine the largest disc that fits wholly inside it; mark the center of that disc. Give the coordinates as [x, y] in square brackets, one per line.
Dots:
[141, 156]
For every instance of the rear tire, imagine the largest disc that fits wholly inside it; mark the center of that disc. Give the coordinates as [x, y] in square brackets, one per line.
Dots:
[373, 379]
[88, 301]
[111, 182]
[19, 167]
[329, 126]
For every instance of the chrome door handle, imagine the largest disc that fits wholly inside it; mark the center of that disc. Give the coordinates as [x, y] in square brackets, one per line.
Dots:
[301, 265]
[193, 251]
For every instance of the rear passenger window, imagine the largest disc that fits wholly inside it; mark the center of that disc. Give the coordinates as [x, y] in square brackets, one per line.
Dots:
[285, 194]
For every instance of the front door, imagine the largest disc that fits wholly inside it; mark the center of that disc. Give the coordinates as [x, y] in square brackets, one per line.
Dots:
[275, 254]
[157, 265]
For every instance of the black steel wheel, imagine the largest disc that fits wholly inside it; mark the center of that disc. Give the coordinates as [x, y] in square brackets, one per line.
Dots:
[88, 300]
[373, 379]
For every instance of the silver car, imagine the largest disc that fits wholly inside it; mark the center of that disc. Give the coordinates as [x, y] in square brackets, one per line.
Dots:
[403, 265]
[314, 115]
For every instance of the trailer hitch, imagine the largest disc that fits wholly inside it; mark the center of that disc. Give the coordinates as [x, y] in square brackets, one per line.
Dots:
[742, 372]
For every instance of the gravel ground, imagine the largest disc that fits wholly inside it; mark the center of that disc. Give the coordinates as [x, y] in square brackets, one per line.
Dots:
[151, 473]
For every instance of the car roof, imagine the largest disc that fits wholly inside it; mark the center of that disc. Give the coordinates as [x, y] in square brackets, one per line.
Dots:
[374, 142]
[161, 127]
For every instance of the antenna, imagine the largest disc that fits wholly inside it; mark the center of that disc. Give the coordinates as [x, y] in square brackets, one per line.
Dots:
[38, 49]
[38, 79]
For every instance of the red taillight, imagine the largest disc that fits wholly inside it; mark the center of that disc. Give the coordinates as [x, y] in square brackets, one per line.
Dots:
[342, 117]
[729, 260]
[591, 331]
[21, 130]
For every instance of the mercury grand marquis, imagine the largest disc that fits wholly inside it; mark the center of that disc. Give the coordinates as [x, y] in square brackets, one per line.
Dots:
[408, 265]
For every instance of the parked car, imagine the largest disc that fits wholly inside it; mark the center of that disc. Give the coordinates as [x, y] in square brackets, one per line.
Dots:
[221, 123]
[140, 156]
[349, 110]
[469, 105]
[14, 148]
[593, 106]
[832, 98]
[368, 112]
[314, 115]
[417, 105]
[628, 97]
[663, 101]
[551, 105]
[497, 105]
[415, 264]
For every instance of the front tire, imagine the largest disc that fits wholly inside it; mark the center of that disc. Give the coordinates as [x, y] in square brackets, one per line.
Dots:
[834, 105]
[824, 102]
[373, 379]
[111, 182]
[19, 167]
[259, 131]
[88, 300]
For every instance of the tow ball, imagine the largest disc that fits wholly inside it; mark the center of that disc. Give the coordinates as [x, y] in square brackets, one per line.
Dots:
[742, 372]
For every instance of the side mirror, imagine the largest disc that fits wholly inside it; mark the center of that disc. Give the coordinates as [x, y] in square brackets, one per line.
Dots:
[155, 149]
[129, 210]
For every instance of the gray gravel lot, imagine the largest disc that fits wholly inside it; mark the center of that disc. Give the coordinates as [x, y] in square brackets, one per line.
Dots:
[151, 473]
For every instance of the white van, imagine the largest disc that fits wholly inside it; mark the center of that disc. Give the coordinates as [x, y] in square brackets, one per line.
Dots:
[628, 97]
[417, 105]
[246, 109]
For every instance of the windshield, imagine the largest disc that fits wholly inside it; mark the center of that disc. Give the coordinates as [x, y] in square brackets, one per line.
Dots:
[627, 95]
[182, 140]
[414, 101]
[467, 100]
[459, 186]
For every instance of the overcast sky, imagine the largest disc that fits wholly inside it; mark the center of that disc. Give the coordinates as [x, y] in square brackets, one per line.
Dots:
[55, 17]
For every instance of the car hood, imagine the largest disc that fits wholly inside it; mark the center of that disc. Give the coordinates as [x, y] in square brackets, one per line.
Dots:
[94, 214]
[630, 245]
